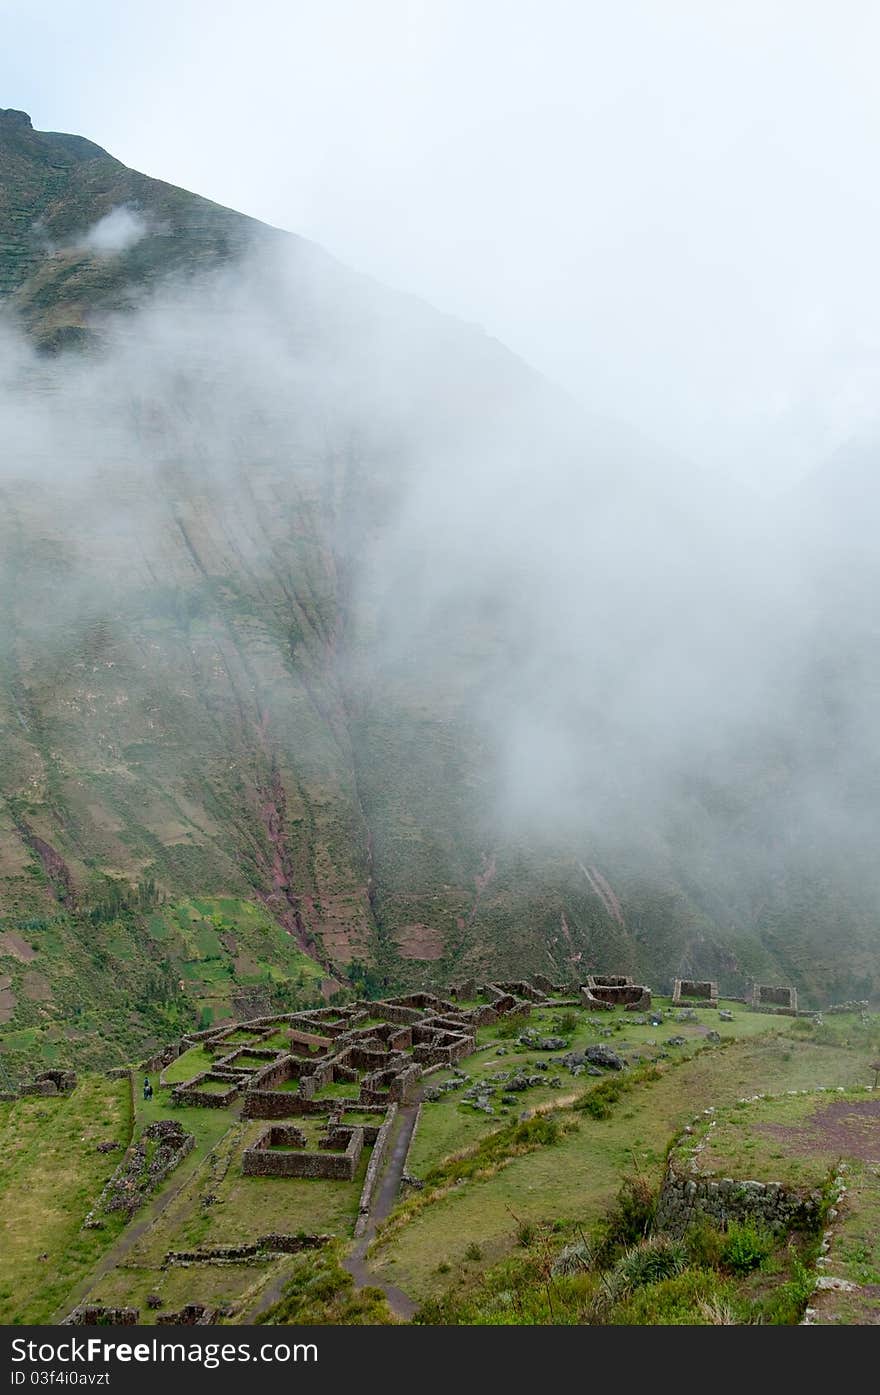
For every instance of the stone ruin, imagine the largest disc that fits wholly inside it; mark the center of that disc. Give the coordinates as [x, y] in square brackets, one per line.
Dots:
[776, 998]
[50, 1082]
[96, 1315]
[142, 1170]
[606, 991]
[282, 1151]
[689, 992]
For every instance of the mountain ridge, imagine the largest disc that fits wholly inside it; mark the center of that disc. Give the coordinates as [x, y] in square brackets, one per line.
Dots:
[214, 687]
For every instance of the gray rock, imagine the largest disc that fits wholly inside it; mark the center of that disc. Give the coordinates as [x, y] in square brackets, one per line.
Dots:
[605, 1057]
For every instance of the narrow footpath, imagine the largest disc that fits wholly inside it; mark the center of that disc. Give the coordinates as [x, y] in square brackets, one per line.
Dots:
[385, 1196]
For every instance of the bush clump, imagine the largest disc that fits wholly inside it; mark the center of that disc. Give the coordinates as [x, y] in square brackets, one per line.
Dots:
[746, 1247]
[651, 1260]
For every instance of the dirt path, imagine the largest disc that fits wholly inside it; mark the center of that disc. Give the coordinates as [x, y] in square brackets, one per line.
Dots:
[384, 1199]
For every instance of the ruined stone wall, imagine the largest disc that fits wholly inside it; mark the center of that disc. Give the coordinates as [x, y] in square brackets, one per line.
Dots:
[96, 1315]
[596, 995]
[189, 1092]
[467, 990]
[274, 1243]
[190, 1315]
[134, 1180]
[380, 1148]
[162, 1058]
[278, 1071]
[308, 1044]
[521, 988]
[260, 1161]
[775, 995]
[231, 1062]
[447, 1053]
[543, 984]
[396, 1013]
[694, 993]
[281, 1104]
[428, 1002]
[483, 1016]
[503, 1002]
[282, 1136]
[685, 1200]
[405, 1086]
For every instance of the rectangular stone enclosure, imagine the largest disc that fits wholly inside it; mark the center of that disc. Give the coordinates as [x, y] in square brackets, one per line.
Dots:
[777, 997]
[338, 1160]
[689, 992]
[614, 990]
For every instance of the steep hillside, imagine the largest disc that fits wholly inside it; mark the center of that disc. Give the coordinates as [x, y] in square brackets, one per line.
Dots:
[223, 674]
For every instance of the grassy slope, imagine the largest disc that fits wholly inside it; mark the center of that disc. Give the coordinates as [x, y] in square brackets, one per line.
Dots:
[50, 1176]
[578, 1179]
[422, 1249]
[94, 994]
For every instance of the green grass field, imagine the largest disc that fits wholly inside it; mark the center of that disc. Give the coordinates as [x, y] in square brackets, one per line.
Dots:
[50, 1176]
[488, 1183]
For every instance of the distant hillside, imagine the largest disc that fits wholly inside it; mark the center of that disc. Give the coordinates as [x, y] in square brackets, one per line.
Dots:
[213, 683]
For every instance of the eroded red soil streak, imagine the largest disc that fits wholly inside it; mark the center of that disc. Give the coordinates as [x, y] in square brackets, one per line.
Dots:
[604, 892]
[52, 863]
[277, 869]
[844, 1128]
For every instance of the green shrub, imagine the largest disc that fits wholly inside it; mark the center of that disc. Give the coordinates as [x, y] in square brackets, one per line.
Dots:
[540, 1129]
[695, 1297]
[704, 1245]
[629, 1220]
[525, 1233]
[658, 1257]
[473, 1251]
[746, 1246]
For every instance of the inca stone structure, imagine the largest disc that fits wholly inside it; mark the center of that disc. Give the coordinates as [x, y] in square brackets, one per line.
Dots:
[611, 991]
[367, 1060]
[328, 1081]
[775, 998]
[688, 992]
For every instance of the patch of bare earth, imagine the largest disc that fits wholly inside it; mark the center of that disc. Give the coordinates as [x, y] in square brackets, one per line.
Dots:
[36, 986]
[843, 1129]
[419, 942]
[12, 943]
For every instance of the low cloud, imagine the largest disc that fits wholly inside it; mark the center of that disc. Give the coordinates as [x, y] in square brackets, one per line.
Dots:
[116, 232]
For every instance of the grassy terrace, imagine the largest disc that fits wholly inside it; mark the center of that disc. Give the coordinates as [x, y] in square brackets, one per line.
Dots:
[454, 1233]
[575, 1180]
[450, 1124]
[50, 1176]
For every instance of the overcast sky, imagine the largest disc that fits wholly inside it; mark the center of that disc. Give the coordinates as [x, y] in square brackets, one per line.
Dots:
[672, 208]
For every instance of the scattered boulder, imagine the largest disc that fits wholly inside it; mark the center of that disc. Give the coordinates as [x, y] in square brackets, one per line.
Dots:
[605, 1057]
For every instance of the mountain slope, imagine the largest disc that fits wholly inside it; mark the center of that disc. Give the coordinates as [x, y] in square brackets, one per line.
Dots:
[284, 621]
